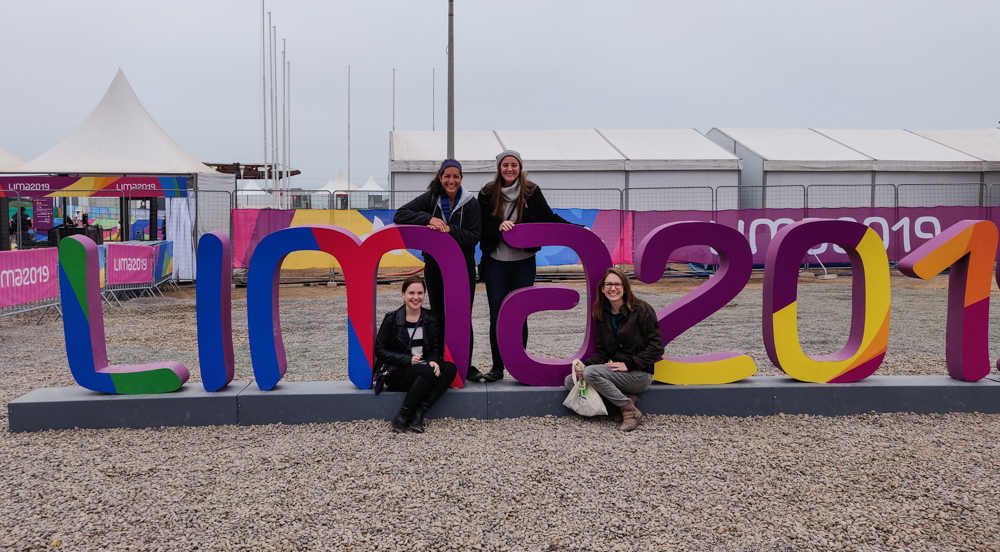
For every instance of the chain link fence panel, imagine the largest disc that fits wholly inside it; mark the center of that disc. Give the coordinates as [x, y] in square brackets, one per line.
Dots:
[760, 197]
[964, 194]
[819, 196]
[668, 199]
[599, 198]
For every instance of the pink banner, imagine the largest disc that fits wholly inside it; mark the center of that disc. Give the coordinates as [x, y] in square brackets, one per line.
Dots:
[902, 229]
[28, 275]
[129, 264]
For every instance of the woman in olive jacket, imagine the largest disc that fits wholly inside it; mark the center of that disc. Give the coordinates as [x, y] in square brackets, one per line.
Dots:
[629, 343]
[508, 200]
[450, 209]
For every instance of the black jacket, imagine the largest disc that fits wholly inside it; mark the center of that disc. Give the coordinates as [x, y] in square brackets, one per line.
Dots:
[465, 223]
[536, 210]
[639, 343]
[390, 344]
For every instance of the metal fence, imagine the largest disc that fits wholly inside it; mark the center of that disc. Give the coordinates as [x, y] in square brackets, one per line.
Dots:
[668, 199]
[965, 194]
[850, 195]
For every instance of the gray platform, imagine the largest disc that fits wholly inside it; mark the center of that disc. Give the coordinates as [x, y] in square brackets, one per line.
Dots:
[76, 407]
[316, 402]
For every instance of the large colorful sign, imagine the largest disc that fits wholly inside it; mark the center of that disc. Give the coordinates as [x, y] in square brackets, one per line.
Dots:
[968, 248]
[96, 186]
[27, 276]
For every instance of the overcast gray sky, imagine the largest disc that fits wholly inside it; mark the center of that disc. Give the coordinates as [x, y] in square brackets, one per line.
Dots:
[520, 65]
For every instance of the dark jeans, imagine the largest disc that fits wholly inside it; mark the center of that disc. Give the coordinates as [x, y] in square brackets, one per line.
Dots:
[435, 288]
[402, 378]
[503, 277]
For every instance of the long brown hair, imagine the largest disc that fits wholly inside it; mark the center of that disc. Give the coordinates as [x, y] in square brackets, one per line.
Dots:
[627, 295]
[494, 190]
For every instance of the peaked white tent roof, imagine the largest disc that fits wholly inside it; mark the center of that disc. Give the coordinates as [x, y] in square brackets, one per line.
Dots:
[372, 186]
[118, 137]
[339, 184]
[900, 150]
[423, 151]
[982, 143]
[563, 150]
[797, 149]
[251, 186]
[8, 161]
[669, 149]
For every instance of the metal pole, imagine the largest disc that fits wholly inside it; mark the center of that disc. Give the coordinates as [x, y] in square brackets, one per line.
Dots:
[274, 107]
[284, 121]
[433, 102]
[451, 79]
[394, 98]
[289, 143]
[348, 127]
[263, 84]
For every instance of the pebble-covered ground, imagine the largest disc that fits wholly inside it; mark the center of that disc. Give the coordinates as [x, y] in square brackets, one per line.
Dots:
[783, 483]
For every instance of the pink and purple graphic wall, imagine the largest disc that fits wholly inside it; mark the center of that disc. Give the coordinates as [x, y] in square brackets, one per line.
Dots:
[901, 229]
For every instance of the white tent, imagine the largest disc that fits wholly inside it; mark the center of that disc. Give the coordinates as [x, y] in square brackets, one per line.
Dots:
[339, 184]
[371, 185]
[849, 168]
[119, 137]
[8, 161]
[981, 143]
[595, 164]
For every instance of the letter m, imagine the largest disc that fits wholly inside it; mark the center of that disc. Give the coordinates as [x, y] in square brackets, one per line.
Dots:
[360, 264]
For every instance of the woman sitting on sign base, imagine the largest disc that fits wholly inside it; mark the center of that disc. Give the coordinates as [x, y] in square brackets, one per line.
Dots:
[629, 343]
[408, 358]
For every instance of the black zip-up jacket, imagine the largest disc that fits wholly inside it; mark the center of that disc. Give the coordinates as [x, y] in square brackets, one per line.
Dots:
[536, 210]
[390, 344]
[465, 224]
[639, 343]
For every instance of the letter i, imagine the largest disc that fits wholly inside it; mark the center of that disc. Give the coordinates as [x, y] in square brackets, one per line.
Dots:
[215, 311]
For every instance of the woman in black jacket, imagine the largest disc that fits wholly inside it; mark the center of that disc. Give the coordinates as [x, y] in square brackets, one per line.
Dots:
[407, 349]
[510, 199]
[448, 208]
[629, 344]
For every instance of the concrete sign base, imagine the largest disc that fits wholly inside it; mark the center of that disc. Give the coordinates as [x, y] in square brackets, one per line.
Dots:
[242, 403]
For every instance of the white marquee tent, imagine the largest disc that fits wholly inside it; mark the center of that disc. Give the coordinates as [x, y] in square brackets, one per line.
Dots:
[8, 161]
[120, 137]
[849, 168]
[594, 164]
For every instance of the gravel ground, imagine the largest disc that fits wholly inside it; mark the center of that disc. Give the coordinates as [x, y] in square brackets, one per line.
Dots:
[871, 482]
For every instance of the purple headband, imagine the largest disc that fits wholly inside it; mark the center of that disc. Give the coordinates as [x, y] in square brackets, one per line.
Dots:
[450, 163]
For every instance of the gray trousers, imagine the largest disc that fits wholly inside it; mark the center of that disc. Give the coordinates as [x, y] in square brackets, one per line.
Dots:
[610, 384]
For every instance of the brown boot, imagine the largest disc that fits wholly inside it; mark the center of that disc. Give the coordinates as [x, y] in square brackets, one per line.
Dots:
[631, 417]
[631, 397]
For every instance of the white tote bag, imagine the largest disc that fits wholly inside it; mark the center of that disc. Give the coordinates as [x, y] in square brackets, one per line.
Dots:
[583, 400]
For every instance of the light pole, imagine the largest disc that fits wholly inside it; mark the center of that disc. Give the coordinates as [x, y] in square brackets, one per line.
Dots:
[451, 79]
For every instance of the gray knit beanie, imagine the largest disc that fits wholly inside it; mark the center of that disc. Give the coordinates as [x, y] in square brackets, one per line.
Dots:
[509, 153]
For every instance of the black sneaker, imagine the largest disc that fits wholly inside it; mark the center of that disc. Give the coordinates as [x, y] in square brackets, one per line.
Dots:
[474, 374]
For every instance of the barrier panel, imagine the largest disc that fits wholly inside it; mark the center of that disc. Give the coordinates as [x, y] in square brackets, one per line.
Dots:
[129, 269]
[966, 194]
[760, 197]
[29, 280]
[668, 199]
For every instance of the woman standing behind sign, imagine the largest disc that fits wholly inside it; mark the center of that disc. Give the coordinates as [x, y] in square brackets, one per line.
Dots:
[448, 208]
[510, 199]
[629, 343]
